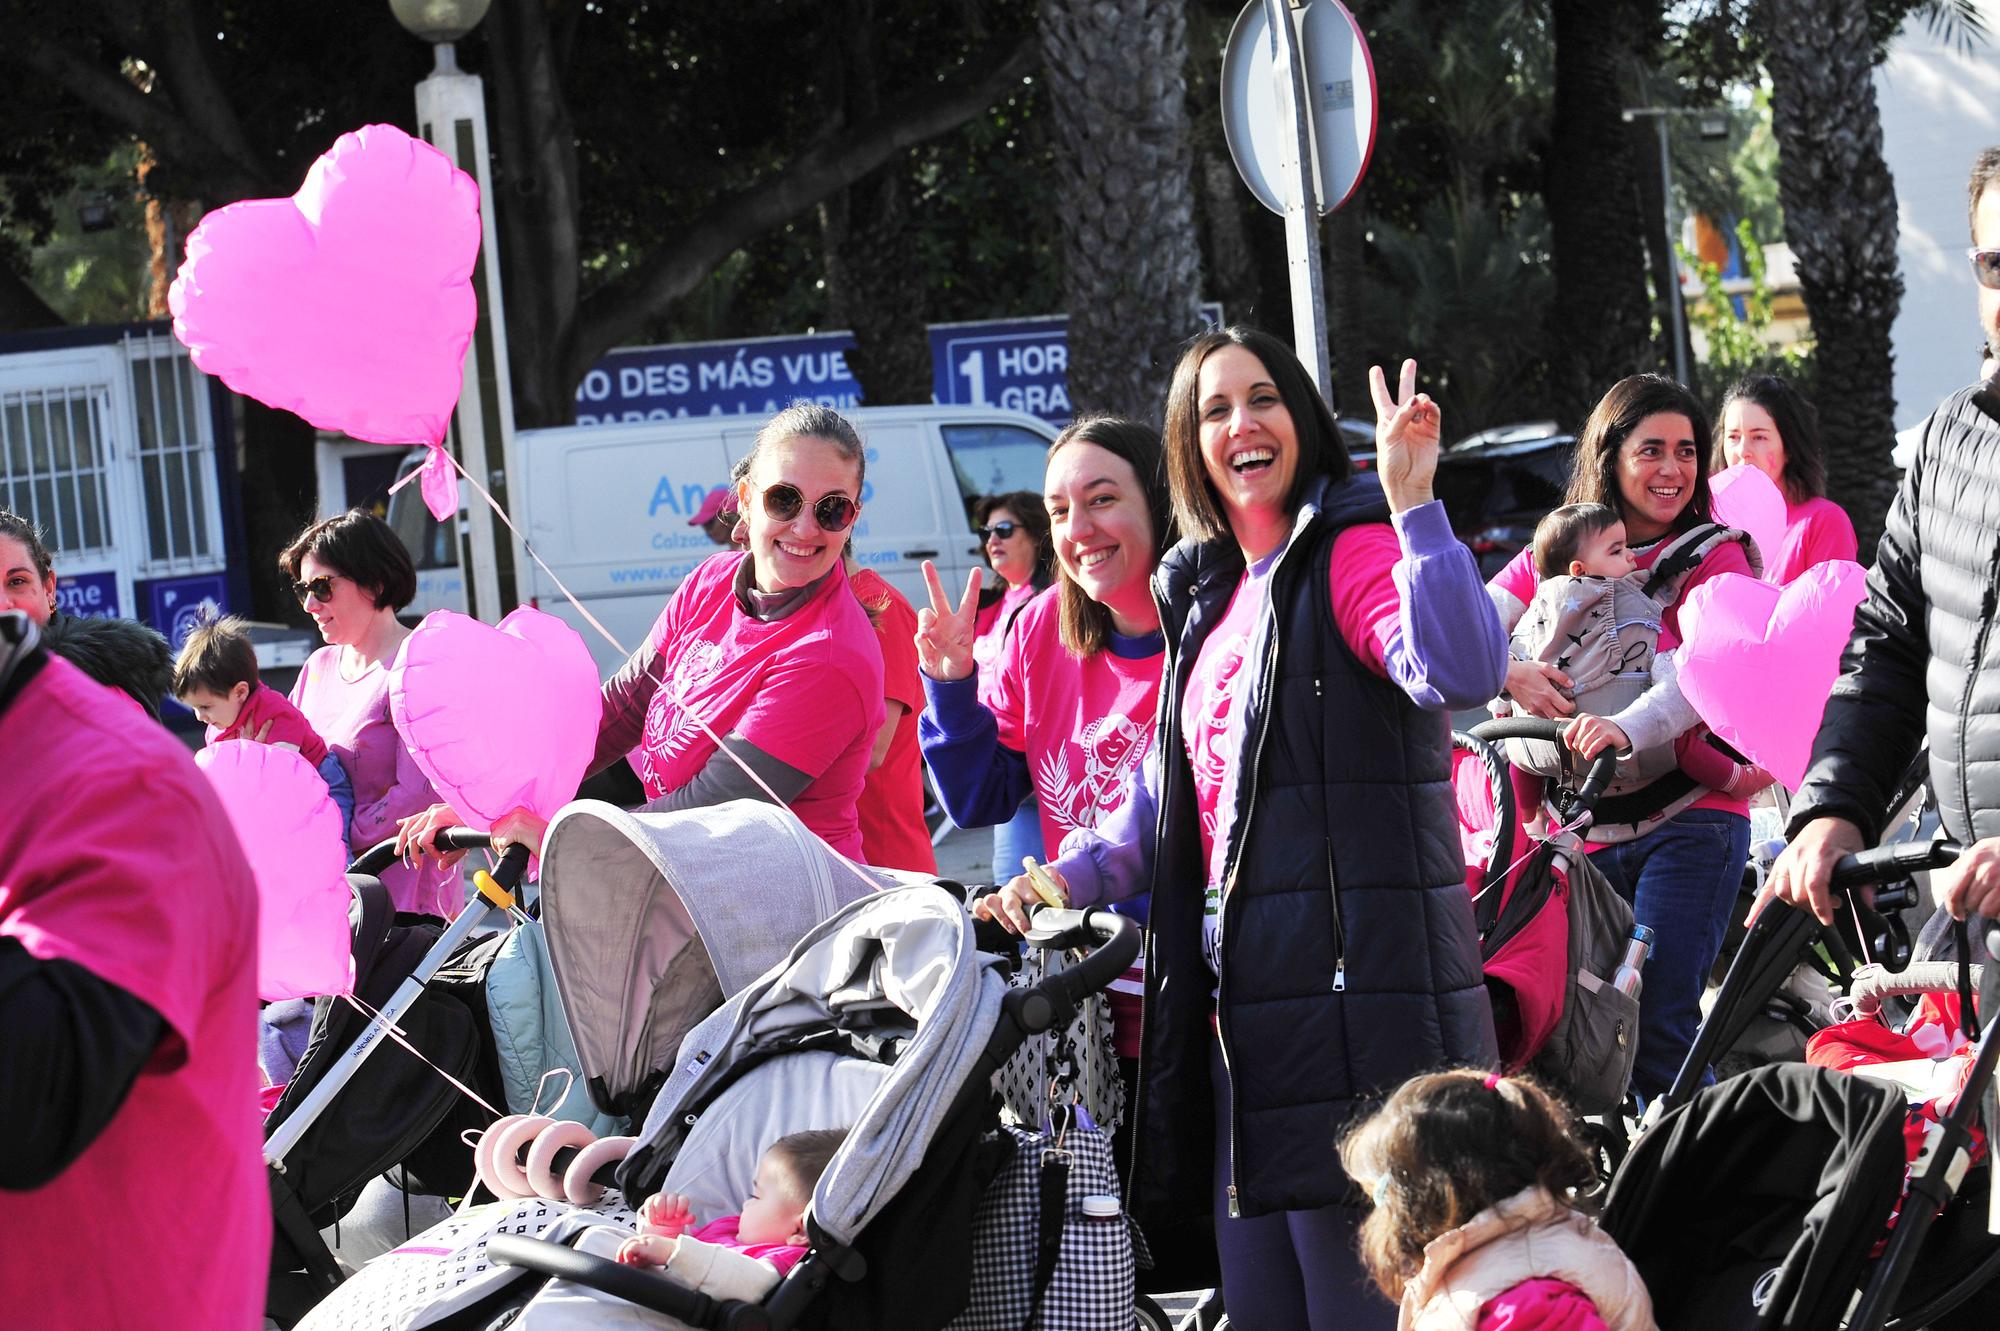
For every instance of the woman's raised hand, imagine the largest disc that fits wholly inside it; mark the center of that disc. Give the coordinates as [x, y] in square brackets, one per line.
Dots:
[1407, 428]
[944, 635]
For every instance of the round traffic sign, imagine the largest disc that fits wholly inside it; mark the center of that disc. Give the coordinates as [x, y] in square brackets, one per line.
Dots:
[1340, 86]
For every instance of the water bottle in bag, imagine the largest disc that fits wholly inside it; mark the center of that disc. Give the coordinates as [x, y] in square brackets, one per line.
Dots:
[1627, 979]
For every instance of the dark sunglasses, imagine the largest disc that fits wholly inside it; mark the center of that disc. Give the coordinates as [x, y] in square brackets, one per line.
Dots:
[1004, 530]
[1985, 267]
[833, 512]
[320, 589]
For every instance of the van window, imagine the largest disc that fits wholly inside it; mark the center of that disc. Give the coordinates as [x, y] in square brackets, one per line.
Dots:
[993, 459]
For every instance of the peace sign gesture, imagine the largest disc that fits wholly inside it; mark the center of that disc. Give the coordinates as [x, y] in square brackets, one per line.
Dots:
[944, 635]
[1406, 438]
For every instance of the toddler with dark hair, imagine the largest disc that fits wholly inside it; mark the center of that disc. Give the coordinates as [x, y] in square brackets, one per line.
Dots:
[1475, 1226]
[216, 677]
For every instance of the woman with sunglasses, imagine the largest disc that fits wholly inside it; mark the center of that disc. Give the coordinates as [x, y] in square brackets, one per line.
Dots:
[1014, 532]
[352, 574]
[767, 650]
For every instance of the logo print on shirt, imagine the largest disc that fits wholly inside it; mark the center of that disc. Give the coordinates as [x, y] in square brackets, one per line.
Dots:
[670, 727]
[1112, 746]
[1207, 746]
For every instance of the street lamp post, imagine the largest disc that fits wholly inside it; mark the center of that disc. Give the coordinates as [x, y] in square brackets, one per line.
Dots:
[451, 116]
[1710, 119]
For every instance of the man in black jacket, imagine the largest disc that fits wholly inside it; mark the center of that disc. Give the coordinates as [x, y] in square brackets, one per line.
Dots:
[1924, 659]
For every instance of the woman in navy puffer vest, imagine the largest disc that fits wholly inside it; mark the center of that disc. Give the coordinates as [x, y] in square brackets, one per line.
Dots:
[1312, 942]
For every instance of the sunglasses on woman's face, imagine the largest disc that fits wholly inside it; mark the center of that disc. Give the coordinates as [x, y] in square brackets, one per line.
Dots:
[319, 589]
[1985, 267]
[1004, 530]
[833, 512]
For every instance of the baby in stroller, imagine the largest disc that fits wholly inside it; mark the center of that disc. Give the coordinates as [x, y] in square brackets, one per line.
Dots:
[1474, 1226]
[739, 1256]
[1597, 621]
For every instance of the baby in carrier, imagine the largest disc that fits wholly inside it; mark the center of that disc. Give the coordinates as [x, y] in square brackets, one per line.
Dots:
[739, 1256]
[1596, 618]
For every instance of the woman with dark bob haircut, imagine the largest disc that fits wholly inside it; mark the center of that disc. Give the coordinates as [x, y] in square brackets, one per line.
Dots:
[1644, 453]
[1312, 942]
[352, 574]
[1767, 425]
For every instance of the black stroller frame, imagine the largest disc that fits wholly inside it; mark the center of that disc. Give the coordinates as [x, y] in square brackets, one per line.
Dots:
[1025, 1013]
[1775, 940]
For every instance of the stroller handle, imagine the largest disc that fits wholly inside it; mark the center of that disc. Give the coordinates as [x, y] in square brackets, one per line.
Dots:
[1051, 1003]
[382, 854]
[1899, 859]
[1602, 768]
[648, 1289]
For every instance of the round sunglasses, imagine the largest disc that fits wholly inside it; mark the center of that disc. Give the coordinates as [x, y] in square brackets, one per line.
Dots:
[784, 502]
[1004, 530]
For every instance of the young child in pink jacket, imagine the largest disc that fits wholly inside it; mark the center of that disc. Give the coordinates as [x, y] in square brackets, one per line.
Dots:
[1474, 1227]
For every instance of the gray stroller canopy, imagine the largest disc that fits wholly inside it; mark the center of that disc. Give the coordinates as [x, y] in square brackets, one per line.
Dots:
[653, 919]
[893, 961]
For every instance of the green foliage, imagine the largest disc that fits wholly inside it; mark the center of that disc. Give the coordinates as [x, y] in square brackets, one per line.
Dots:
[90, 277]
[1739, 345]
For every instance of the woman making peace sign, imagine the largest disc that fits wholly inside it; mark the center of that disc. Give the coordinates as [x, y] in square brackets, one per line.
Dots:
[1312, 943]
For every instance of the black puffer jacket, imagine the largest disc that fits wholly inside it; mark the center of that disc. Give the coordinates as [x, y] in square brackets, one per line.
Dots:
[1350, 960]
[1925, 656]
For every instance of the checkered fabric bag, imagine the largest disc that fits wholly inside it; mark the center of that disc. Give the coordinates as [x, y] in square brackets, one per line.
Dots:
[1089, 1285]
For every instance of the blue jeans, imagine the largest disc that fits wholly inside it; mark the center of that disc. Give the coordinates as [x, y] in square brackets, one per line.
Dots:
[1681, 879]
[1018, 836]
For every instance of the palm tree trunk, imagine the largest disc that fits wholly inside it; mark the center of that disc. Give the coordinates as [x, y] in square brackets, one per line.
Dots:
[1601, 320]
[1840, 218]
[1125, 196]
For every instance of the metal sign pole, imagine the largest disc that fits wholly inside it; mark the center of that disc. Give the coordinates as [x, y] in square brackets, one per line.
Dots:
[1298, 167]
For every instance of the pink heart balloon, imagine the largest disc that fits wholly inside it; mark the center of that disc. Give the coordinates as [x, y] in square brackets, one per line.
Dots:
[292, 835]
[1758, 661]
[499, 718]
[351, 302]
[1746, 498]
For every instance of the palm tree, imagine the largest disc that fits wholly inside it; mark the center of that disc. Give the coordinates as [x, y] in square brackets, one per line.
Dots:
[1840, 218]
[1124, 195]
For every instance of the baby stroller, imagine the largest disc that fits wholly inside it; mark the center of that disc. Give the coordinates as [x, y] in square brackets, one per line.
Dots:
[1776, 1186]
[342, 1121]
[1551, 929]
[886, 1016]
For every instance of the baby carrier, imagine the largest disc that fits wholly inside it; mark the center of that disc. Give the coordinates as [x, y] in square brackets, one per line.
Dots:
[1604, 634]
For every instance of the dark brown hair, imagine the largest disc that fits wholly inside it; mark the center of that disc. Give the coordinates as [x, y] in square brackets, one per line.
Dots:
[1798, 430]
[807, 1154]
[1033, 515]
[216, 656]
[1985, 176]
[1084, 625]
[360, 546]
[28, 534]
[1562, 533]
[1445, 1147]
[1197, 508]
[1593, 477]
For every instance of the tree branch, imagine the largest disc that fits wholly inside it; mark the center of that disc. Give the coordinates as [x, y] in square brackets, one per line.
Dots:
[150, 118]
[622, 307]
[198, 93]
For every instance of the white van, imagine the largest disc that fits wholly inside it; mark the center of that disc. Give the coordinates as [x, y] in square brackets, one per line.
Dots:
[607, 506]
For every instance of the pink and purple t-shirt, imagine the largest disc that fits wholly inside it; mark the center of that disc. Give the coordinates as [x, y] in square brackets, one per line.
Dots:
[805, 688]
[1815, 531]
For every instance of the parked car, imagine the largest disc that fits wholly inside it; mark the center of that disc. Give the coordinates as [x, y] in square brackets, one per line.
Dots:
[1496, 485]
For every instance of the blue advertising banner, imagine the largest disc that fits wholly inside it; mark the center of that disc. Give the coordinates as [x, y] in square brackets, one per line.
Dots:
[87, 594]
[1019, 364]
[176, 603]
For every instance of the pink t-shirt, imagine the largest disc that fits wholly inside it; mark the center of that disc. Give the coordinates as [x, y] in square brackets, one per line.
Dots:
[806, 689]
[722, 1233]
[1815, 531]
[990, 631]
[352, 716]
[1518, 580]
[288, 724]
[115, 855]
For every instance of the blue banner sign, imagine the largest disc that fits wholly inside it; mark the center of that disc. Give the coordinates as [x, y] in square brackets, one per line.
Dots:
[177, 603]
[87, 594]
[1019, 364]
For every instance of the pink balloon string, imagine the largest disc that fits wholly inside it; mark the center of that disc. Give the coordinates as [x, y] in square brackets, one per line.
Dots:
[389, 1028]
[679, 699]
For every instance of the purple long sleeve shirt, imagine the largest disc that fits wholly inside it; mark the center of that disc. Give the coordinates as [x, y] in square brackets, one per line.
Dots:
[1409, 601]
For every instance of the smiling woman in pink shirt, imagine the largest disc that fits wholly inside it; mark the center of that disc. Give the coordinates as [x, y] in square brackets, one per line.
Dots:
[352, 575]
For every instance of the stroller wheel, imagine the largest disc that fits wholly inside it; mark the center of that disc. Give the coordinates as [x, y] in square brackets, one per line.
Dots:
[1150, 1316]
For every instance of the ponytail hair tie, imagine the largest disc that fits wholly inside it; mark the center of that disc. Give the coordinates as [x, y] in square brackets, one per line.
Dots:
[1492, 1082]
